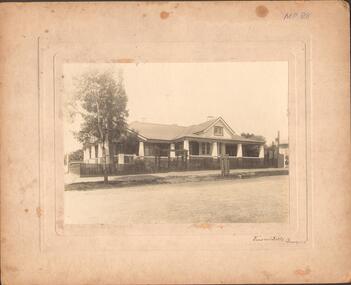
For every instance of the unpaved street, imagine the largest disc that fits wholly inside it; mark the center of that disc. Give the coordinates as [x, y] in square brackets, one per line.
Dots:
[254, 200]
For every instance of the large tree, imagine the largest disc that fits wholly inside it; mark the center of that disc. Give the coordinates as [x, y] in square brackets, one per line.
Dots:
[76, 155]
[101, 102]
[253, 136]
[252, 149]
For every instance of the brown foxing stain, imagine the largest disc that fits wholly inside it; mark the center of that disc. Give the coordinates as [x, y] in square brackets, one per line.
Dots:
[203, 226]
[144, 15]
[39, 212]
[345, 4]
[46, 31]
[261, 11]
[11, 268]
[206, 226]
[59, 224]
[28, 185]
[26, 210]
[164, 15]
[267, 274]
[303, 272]
[124, 60]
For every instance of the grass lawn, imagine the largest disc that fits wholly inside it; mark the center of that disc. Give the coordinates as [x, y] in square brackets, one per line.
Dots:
[253, 200]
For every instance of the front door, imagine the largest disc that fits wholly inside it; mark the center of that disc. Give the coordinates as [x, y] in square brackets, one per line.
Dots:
[194, 148]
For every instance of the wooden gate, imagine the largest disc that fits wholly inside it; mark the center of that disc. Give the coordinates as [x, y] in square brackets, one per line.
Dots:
[224, 162]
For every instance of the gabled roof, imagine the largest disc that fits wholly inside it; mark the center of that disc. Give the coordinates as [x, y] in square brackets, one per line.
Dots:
[195, 129]
[156, 131]
[152, 131]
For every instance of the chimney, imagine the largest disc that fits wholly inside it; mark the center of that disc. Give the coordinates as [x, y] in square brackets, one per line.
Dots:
[210, 118]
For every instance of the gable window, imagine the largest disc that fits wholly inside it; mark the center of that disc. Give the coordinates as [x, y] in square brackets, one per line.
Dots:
[218, 131]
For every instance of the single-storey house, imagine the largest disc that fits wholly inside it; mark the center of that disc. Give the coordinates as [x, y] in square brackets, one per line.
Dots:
[212, 138]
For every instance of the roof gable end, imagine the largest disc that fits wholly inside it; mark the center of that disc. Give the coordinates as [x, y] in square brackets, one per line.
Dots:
[220, 119]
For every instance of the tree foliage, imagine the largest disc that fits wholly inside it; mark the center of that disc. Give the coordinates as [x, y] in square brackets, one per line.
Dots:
[130, 142]
[253, 136]
[76, 155]
[101, 101]
[252, 149]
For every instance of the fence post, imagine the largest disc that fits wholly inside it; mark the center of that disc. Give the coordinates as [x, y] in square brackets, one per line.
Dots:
[227, 164]
[224, 160]
[222, 165]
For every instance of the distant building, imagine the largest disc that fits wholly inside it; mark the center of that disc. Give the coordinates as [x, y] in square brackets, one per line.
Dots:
[284, 150]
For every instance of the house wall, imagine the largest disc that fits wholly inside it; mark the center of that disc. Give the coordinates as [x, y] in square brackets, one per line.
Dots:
[284, 150]
[86, 154]
[95, 153]
[163, 149]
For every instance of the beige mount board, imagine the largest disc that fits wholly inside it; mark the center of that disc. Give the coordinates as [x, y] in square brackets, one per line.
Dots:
[39, 39]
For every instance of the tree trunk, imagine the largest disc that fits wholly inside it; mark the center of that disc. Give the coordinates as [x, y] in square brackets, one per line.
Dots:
[111, 152]
[104, 164]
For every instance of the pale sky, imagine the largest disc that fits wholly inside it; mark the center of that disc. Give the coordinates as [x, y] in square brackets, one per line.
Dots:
[249, 96]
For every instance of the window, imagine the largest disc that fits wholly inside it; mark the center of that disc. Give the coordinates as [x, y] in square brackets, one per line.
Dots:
[231, 149]
[119, 148]
[148, 149]
[205, 148]
[96, 151]
[194, 148]
[218, 131]
[219, 148]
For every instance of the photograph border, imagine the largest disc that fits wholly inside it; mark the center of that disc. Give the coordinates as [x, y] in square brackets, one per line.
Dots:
[53, 55]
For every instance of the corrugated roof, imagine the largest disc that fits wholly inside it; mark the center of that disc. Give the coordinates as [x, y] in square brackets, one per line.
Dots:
[154, 131]
[193, 129]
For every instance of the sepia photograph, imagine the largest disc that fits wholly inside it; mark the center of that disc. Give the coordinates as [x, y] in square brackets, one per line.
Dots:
[198, 142]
